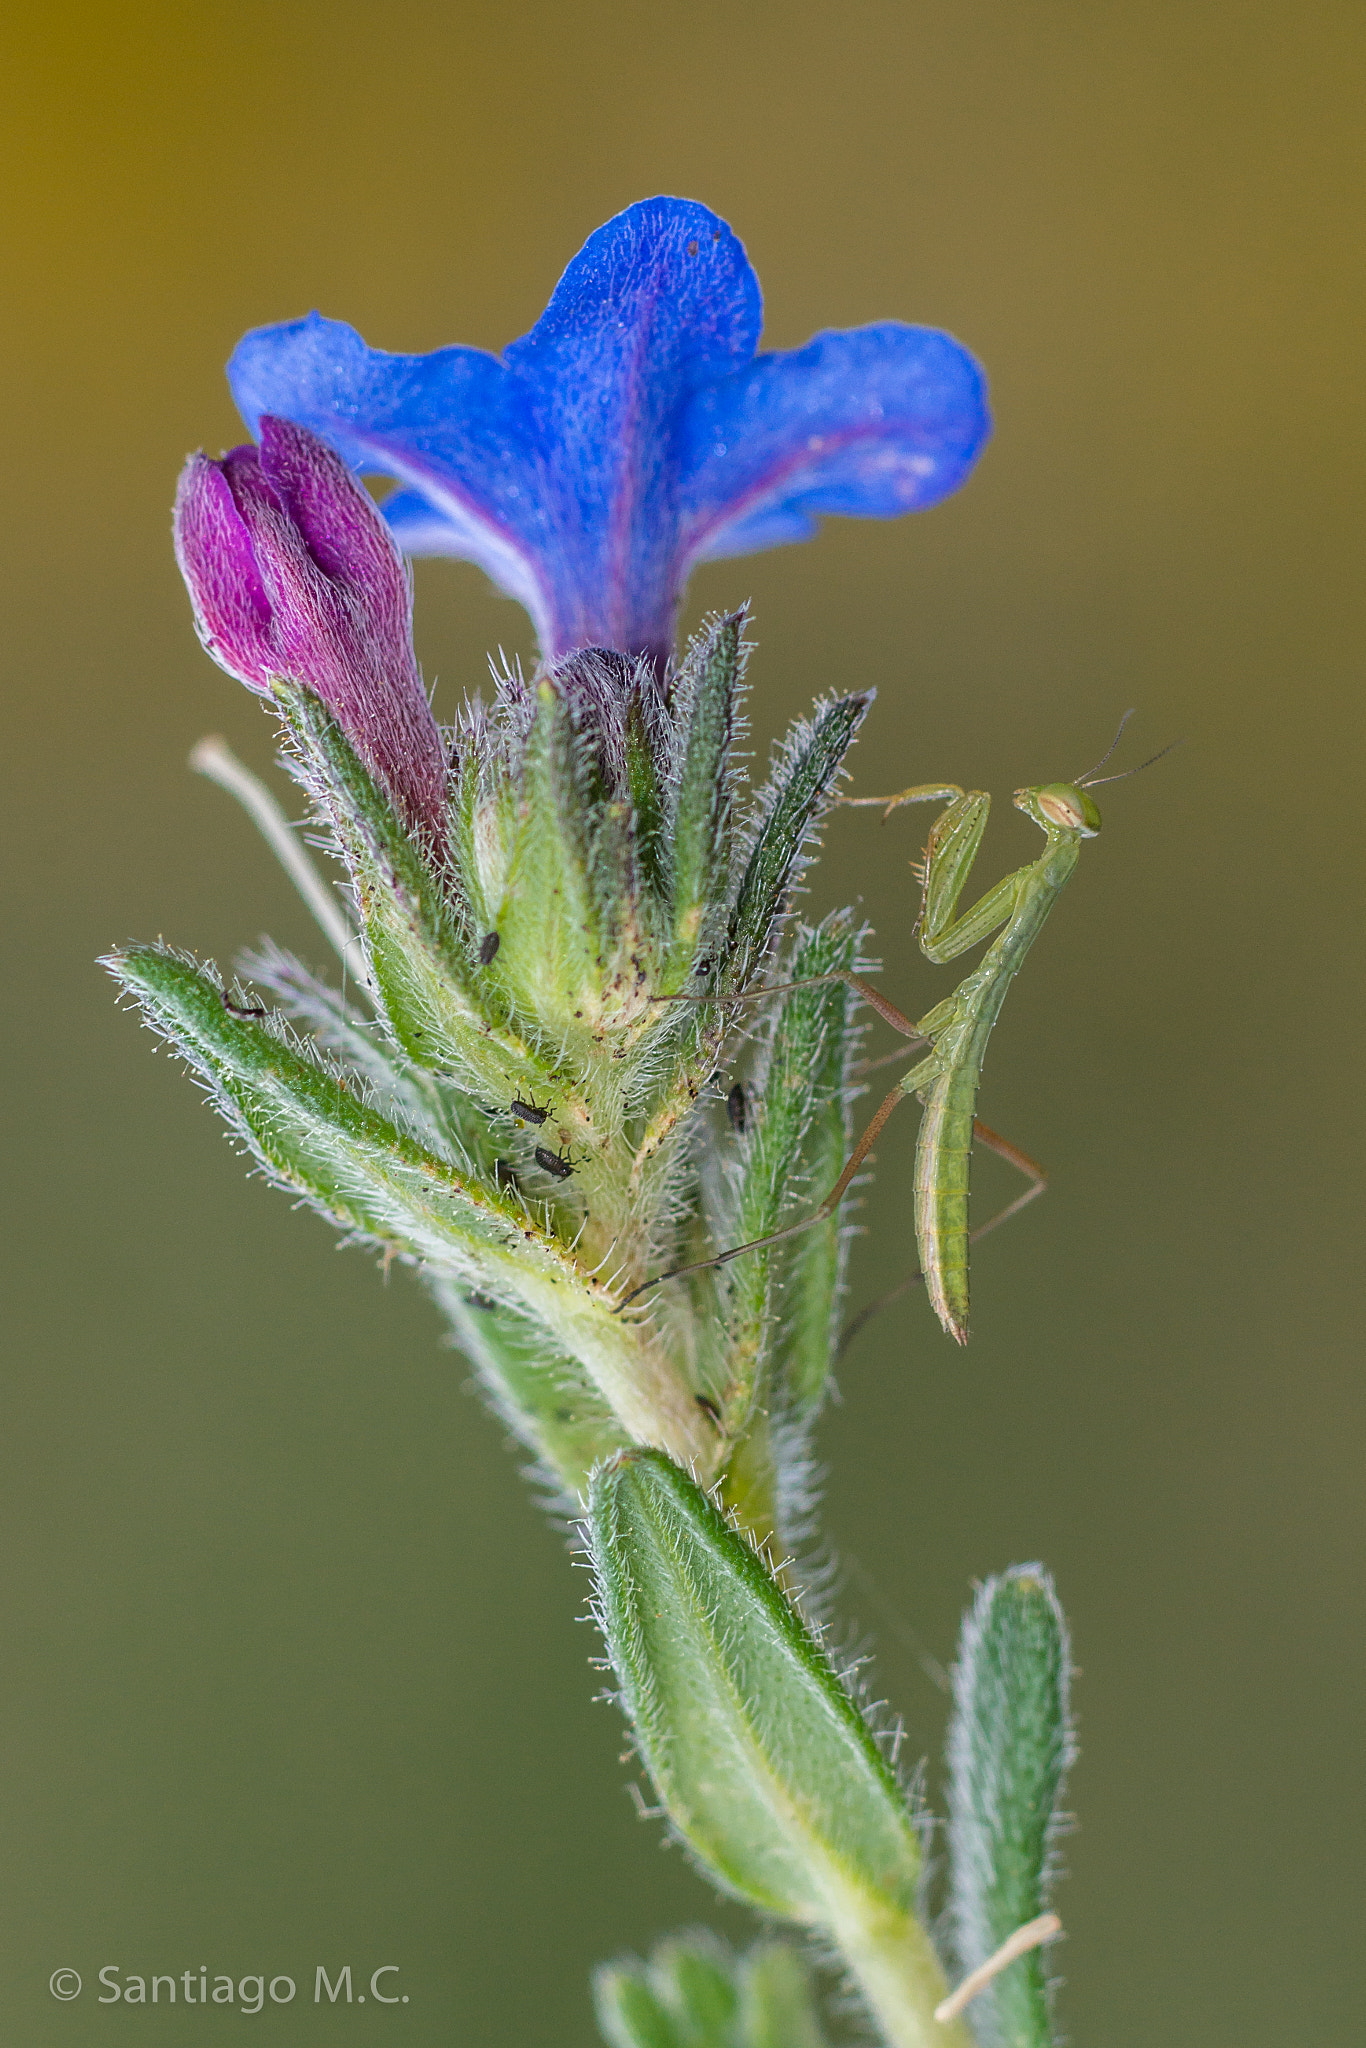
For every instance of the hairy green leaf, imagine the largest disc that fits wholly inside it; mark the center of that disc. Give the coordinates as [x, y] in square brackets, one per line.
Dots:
[790, 1157]
[777, 2000]
[1009, 1749]
[445, 1010]
[549, 917]
[312, 1131]
[758, 1753]
[788, 809]
[645, 724]
[703, 800]
[695, 1992]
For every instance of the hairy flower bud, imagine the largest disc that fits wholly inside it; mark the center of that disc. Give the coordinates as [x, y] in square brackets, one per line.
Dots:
[294, 577]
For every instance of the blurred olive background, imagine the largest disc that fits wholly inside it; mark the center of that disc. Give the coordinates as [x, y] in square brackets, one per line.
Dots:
[291, 1666]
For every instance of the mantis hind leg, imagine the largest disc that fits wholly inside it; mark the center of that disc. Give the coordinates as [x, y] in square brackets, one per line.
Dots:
[1035, 1174]
[827, 1207]
[874, 998]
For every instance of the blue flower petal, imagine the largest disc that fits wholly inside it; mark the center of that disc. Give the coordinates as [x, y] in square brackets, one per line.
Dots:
[657, 304]
[552, 467]
[448, 425]
[874, 421]
[633, 431]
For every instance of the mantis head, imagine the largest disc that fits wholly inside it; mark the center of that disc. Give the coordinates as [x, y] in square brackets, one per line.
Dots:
[1060, 808]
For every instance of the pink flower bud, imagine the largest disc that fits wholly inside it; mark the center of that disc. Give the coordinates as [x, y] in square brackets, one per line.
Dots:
[294, 577]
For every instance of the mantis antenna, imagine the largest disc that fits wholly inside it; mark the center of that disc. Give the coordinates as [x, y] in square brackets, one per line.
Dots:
[1091, 780]
[1082, 781]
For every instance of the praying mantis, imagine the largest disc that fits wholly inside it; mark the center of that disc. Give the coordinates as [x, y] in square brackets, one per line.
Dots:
[957, 1030]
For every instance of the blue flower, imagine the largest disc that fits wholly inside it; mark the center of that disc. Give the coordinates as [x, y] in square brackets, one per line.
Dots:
[634, 431]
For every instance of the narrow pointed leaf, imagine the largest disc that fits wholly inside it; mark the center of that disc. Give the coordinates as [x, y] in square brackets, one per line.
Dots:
[645, 722]
[809, 1271]
[310, 1127]
[704, 707]
[805, 774]
[629, 2012]
[481, 823]
[444, 1011]
[696, 1993]
[777, 2000]
[548, 918]
[615, 884]
[314, 1134]
[1009, 1749]
[795, 1094]
[807, 768]
[404, 1093]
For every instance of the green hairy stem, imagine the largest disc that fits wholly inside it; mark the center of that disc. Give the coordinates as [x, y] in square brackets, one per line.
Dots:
[561, 1077]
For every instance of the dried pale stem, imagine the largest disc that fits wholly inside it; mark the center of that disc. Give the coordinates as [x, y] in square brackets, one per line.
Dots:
[1034, 1933]
[213, 757]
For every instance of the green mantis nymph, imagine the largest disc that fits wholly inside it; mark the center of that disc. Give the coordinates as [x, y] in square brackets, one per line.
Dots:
[957, 1030]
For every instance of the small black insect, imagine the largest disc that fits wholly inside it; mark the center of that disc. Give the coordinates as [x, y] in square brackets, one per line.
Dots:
[240, 1009]
[737, 1108]
[528, 1111]
[708, 1407]
[484, 1301]
[553, 1162]
[487, 948]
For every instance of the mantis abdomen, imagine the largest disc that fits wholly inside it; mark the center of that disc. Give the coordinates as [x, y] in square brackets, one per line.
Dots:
[947, 1085]
[942, 1166]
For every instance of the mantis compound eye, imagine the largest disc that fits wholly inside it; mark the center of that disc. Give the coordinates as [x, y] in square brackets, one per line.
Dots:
[1068, 807]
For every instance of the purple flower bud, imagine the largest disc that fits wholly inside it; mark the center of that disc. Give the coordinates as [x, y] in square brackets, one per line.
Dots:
[294, 577]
